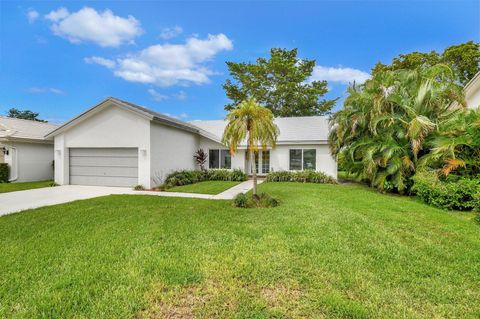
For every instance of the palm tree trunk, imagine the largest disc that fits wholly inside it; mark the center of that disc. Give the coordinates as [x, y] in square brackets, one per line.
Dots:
[254, 172]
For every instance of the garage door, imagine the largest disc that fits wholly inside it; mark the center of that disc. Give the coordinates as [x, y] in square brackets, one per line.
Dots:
[104, 166]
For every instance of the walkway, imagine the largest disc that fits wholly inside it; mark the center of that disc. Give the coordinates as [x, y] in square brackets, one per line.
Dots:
[34, 198]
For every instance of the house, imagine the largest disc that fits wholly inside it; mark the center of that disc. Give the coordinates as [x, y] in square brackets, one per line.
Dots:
[472, 92]
[117, 143]
[24, 148]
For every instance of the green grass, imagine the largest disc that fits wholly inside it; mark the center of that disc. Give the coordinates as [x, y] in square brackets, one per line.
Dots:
[329, 251]
[207, 187]
[13, 187]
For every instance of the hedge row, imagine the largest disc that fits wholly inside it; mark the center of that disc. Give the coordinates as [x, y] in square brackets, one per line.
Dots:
[4, 172]
[186, 177]
[454, 194]
[307, 176]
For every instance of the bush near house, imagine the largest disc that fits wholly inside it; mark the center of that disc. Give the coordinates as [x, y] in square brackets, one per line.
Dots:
[307, 176]
[453, 193]
[4, 172]
[185, 177]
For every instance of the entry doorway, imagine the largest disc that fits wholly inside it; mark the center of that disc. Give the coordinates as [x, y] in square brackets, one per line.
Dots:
[262, 163]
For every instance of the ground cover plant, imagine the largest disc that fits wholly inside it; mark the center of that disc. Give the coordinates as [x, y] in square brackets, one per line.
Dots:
[328, 251]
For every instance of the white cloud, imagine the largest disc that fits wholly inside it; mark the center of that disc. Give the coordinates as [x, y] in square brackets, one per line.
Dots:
[88, 25]
[169, 33]
[181, 95]
[32, 16]
[173, 64]
[38, 90]
[110, 64]
[342, 75]
[157, 96]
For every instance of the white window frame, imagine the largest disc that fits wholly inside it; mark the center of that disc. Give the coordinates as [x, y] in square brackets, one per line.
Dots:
[219, 150]
[303, 150]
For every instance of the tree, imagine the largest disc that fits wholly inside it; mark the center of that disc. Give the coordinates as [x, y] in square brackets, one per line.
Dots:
[280, 83]
[24, 115]
[388, 124]
[251, 123]
[200, 157]
[463, 59]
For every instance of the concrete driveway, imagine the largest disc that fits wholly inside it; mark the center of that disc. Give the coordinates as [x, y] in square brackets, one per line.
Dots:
[34, 198]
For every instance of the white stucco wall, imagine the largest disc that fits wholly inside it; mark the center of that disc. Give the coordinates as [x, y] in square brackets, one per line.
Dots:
[172, 149]
[30, 161]
[110, 127]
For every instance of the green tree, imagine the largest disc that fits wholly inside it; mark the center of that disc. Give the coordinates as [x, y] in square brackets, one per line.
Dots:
[280, 83]
[252, 124]
[24, 115]
[387, 124]
[464, 59]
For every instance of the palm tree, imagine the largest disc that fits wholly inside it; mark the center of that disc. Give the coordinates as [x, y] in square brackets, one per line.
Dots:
[388, 123]
[251, 123]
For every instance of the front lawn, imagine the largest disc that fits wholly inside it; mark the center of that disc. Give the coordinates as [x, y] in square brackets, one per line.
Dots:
[13, 187]
[207, 187]
[329, 251]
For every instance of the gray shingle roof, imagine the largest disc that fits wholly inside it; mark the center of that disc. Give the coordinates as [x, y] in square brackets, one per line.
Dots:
[292, 129]
[24, 129]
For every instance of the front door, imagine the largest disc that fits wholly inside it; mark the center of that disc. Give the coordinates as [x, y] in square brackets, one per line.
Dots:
[262, 163]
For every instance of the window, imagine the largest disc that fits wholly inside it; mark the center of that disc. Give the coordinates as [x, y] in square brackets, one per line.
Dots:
[302, 159]
[295, 160]
[219, 159]
[309, 159]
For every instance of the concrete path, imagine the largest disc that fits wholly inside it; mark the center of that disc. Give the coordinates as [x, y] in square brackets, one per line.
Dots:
[33, 198]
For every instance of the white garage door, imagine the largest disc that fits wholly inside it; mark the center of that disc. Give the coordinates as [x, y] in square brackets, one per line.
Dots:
[104, 166]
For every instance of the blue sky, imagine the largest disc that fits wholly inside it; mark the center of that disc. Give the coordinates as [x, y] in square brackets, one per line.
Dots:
[59, 58]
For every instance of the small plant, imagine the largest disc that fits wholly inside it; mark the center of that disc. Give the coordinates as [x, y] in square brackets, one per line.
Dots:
[263, 200]
[4, 172]
[139, 188]
[241, 201]
[201, 157]
[53, 184]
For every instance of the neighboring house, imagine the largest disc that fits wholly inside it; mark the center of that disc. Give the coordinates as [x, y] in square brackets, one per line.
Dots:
[25, 149]
[117, 143]
[472, 92]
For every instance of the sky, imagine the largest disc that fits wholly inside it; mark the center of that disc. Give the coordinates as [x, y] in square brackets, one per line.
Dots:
[60, 58]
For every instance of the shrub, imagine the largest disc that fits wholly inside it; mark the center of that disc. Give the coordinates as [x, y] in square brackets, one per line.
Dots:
[261, 201]
[241, 200]
[53, 184]
[307, 176]
[456, 193]
[4, 172]
[185, 177]
[139, 188]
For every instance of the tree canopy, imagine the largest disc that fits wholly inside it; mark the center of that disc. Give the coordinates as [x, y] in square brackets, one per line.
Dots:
[24, 115]
[280, 83]
[463, 59]
[389, 125]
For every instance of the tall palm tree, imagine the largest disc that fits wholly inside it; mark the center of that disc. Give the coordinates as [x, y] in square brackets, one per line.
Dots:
[388, 123]
[253, 124]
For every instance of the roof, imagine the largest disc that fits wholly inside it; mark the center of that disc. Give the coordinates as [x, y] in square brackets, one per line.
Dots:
[472, 84]
[13, 128]
[313, 129]
[308, 129]
[142, 111]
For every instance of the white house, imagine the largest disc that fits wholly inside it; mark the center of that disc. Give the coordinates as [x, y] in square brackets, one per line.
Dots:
[24, 148]
[472, 92]
[117, 143]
